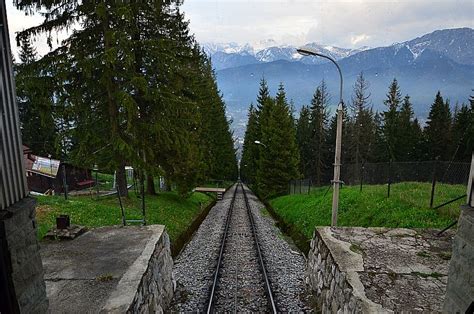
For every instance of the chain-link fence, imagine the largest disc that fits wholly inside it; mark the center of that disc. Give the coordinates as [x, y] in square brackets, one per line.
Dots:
[437, 183]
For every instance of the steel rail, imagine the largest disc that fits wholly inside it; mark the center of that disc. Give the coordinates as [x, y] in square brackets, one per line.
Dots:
[268, 288]
[210, 305]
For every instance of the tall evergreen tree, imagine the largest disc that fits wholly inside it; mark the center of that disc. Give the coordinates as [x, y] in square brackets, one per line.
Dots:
[132, 78]
[363, 127]
[318, 163]
[35, 103]
[250, 151]
[408, 135]
[462, 133]
[438, 130]
[303, 139]
[278, 163]
[390, 118]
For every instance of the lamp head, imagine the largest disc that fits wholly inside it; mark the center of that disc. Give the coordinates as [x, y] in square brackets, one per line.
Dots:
[307, 51]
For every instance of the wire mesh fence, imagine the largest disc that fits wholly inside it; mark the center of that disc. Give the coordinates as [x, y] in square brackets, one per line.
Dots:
[437, 183]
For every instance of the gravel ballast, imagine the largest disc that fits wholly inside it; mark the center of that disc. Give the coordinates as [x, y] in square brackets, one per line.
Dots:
[194, 267]
[285, 265]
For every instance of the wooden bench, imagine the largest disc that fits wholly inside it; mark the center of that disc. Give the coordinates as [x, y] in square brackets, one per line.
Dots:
[219, 191]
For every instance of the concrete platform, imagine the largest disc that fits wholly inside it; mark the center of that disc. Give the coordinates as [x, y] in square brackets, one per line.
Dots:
[380, 269]
[101, 269]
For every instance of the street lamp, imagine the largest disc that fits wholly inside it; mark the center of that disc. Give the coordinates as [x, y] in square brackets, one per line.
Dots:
[260, 143]
[308, 51]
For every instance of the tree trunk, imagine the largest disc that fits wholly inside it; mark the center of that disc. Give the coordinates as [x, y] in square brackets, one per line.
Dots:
[150, 185]
[121, 179]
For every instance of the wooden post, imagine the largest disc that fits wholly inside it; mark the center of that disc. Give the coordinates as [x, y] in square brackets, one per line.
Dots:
[337, 166]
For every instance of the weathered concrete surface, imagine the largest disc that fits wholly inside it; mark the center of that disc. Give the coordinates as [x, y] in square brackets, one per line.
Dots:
[107, 269]
[460, 290]
[379, 269]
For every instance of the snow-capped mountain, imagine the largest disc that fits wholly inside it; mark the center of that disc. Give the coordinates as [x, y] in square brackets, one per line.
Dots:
[228, 55]
[442, 60]
[455, 44]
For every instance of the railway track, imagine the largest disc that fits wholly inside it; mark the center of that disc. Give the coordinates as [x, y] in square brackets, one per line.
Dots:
[240, 280]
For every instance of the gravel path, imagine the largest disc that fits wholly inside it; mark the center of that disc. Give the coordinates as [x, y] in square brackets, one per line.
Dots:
[285, 265]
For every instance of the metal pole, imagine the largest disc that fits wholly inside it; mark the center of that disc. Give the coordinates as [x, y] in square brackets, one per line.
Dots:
[64, 181]
[433, 183]
[337, 158]
[337, 165]
[389, 177]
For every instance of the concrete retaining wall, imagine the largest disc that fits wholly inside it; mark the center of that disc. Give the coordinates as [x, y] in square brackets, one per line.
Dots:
[331, 275]
[460, 290]
[148, 284]
[385, 270]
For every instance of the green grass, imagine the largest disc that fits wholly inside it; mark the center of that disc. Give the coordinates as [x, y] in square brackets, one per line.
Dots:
[408, 207]
[167, 208]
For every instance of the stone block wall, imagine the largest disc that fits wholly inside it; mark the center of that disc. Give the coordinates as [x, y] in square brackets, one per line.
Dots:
[332, 275]
[330, 286]
[27, 268]
[156, 288]
[460, 290]
[148, 285]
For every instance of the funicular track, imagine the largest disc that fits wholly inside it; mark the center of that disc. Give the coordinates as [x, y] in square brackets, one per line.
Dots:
[240, 281]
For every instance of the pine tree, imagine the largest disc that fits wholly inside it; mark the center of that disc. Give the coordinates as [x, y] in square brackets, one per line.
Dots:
[250, 150]
[318, 163]
[36, 103]
[438, 130]
[363, 127]
[390, 118]
[462, 132]
[278, 163]
[303, 139]
[133, 78]
[408, 136]
[380, 152]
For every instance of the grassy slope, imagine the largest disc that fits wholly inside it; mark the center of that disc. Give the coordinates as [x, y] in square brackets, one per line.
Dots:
[408, 206]
[166, 208]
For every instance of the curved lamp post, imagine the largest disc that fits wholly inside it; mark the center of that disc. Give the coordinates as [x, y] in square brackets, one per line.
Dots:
[260, 143]
[307, 51]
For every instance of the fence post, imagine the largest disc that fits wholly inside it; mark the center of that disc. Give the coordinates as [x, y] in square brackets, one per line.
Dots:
[301, 183]
[389, 177]
[64, 181]
[433, 182]
[361, 179]
[309, 186]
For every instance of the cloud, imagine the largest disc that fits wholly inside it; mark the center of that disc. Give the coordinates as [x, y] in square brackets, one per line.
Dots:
[344, 23]
[334, 22]
[357, 39]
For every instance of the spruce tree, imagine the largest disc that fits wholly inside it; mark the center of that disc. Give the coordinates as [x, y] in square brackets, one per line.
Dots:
[35, 103]
[318, 163]
[438, 130]
[462, 133]
[278, 163]
[408, 138]
[132, 79]
[363, 127]
[390, 118]
[250, 150]
[303, 139]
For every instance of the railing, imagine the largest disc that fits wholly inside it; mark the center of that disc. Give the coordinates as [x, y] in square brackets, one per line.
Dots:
[12, 176]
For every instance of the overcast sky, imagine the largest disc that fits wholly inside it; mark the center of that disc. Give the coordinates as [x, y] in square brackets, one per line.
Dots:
[350, 23]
